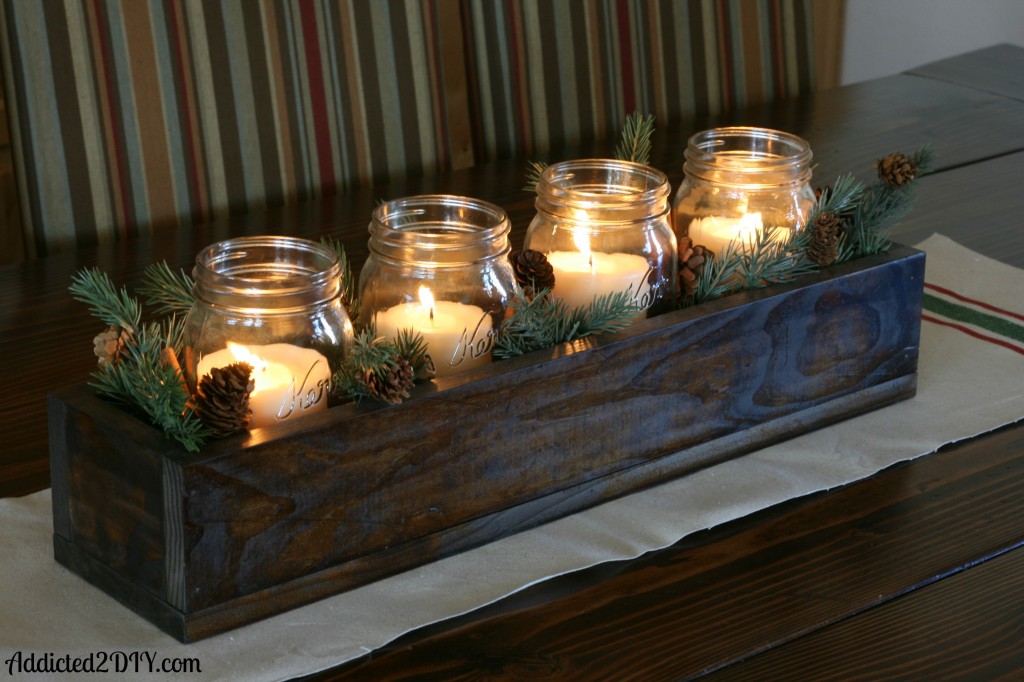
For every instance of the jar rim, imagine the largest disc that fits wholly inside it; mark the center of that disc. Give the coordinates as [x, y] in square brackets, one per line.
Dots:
[267, 266]
[747, 150]
[439, 229]
[606, 183]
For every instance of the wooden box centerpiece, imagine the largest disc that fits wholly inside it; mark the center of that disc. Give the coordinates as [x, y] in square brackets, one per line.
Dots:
[259, 523]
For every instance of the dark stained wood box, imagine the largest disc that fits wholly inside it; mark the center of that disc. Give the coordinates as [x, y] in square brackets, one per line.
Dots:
[260, 523]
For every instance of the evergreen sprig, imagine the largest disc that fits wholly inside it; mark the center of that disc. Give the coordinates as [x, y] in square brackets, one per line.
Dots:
[534, 170]
[376, 355]
[348, 282]
[841, 198]
[767, 259]
[115, 307]
[411, 346]
[141, 381]
[867, 212]
[878, 208]
[170, 291]
[762, 260]
[635, 143]
[721, 275]
[546, 321]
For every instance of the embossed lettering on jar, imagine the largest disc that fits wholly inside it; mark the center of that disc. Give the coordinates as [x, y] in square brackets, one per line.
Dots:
[439, 267]
[274, 303]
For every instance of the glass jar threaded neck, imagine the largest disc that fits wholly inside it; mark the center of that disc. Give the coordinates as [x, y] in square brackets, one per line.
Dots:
[439, 230]
[603, 191]
[748, 156]
[269, 273]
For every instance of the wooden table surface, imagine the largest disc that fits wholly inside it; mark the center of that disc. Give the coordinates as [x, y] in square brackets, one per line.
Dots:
[915, 573]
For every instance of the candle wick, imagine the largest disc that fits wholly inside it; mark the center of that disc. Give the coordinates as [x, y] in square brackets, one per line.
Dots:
[431, 316]
[591, 261]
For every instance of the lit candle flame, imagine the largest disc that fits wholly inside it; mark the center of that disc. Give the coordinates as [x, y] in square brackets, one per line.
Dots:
[258, 364]
[427, 300]
[582, 241]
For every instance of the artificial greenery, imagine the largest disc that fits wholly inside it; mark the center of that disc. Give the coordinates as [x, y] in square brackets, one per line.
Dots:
[141, 378]
[115, 307]
[866, 211]
[139, 375]
[634, 145]
[545, 321]
[878, 207]
[170, 291]
[369, 369]
[348, 282]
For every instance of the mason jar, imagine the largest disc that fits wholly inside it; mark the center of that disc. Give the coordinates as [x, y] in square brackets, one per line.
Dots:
[739, 180]
[439, 266]
[274, 303]
[604, 227]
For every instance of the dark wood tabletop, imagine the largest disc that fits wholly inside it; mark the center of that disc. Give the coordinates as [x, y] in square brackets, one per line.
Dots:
[916, 573]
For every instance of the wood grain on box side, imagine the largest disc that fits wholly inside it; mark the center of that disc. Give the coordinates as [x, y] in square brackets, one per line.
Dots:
[294, 513]
[347, 488]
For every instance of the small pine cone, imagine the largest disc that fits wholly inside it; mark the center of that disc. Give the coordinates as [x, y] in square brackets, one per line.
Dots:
[222, 399]
[823, 247]
[392, 386]
[692, 258]
[108, 345]
[533, 269]
[896, 169]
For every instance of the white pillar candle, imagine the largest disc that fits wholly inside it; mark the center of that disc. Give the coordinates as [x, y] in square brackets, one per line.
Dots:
[458, 336]
[289, 381]
[716, 233]
[580, 277]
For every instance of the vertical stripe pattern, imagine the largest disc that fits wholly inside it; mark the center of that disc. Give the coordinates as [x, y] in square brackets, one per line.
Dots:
[141, 115]
[546, 73]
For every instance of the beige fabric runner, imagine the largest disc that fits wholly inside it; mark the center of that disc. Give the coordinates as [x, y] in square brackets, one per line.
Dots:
[968, 384]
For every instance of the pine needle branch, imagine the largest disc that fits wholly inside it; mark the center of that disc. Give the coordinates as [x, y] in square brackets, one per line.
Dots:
[411, 346]
[925, 159]
[546, 321]
[721, 275]
[170, 291]
[116, 308]
[376, 355]
[534, 170]
[635, 143]
[841, 198]
[142, 382]
[348, 282]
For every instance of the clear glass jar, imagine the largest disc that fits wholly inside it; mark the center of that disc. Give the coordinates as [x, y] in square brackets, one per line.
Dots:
[604, 227]
[439, 266]
[738, 180]
[274, 302]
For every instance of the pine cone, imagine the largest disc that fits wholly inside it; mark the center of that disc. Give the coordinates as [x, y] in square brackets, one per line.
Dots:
[691, 264]
[896, 169]
[392, 386]
[108, 345]
[222, 399]
[823, 248]
[533, 270]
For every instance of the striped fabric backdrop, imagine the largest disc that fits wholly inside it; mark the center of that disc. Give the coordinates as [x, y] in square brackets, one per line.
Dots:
[129, 116]
[543, 73]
